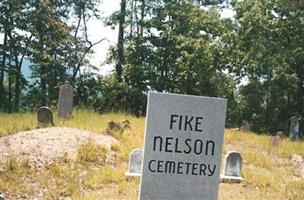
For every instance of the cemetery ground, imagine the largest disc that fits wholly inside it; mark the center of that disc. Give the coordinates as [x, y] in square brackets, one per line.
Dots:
[270, 171]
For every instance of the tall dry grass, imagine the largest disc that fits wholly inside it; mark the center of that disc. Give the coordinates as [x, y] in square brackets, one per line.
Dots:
[268, 170]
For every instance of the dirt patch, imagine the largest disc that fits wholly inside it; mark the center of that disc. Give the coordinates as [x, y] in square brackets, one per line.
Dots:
[43, 146]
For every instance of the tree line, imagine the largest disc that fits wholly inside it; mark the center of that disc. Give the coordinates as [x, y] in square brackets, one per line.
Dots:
[254, 59]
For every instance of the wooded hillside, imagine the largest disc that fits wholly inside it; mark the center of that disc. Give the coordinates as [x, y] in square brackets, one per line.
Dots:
[255, 59]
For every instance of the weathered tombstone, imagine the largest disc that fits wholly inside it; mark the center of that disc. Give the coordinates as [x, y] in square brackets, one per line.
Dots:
[135, 160]
[274, 141]
[280, 134]
[1, 196]
[245, 127]
[65, 102]
[183, 147]
[294, 128]
[232, 167]
[45, 116]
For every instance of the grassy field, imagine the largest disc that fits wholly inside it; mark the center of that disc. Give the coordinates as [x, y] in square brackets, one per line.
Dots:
[268, 171]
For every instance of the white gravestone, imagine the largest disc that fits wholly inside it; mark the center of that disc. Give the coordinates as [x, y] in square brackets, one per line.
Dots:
[1, 196]
[183, 147]
[65, 102]
[232, 167]
[135, 160]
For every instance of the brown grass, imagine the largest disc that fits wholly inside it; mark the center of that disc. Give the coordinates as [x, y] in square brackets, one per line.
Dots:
[268, 171]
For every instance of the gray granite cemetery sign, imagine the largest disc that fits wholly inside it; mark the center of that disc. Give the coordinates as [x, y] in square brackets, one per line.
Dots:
[183, 147]
[65, 102]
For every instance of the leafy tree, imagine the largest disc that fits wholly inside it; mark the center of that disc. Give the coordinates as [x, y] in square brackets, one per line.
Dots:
[182, 49]
[15, 47]
[269, 41]
[44, 32]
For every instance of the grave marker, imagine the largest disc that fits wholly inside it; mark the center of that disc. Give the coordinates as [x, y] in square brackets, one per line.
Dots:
[294, 128]
[135, 160]
[245, 127]
[274, 141]
[65, 102]
[232, 167]
[1, 196]
[45, 116]
[183, 146]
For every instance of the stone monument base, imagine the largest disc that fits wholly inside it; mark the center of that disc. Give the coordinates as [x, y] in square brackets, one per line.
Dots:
[132, 174]
[231, 179]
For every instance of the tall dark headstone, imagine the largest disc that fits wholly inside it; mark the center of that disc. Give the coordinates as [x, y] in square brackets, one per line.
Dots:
[65, 102]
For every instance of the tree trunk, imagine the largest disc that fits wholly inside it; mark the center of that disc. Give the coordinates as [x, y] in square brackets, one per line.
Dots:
[142, 16]
[2, 69]
[18, 65]
[163, 72]
[17, 73]
[131, 17]
[300, 103]
[10, 79]
[120, 43]
[51, 84]
[136, 19]
[17, 84]
[43, 86]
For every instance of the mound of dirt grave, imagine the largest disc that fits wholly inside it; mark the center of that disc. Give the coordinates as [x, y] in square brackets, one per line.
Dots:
[43, 146]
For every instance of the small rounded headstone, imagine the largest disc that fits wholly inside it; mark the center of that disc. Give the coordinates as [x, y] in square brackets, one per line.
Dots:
[1, 196]
[280, 134]
[233, 164]
[245, 127]
[45, 116]
[274, 141]
[135, 163]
